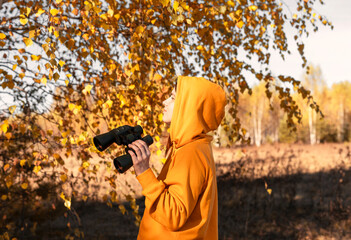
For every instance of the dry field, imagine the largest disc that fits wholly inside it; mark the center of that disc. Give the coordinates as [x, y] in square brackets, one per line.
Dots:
[271, 192]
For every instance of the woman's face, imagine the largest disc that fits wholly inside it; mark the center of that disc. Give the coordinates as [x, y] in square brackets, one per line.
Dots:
[168, 107]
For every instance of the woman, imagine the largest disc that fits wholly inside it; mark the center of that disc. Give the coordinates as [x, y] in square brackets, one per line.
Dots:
[181, 203]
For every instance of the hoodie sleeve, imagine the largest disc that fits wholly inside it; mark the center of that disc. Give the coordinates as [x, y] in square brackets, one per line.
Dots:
[172, 201]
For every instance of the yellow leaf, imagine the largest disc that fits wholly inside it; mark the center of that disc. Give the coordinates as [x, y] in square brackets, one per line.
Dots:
[157, 77]
[68, 204]
[35, 57]
[22, 162]
[64, 141]
[40, 11]
[294, 16]
[24, 185]
[71, 106]
[21, 75]
[27, 41]
[23, 20]
[28, 10]
[253, 8]
[45, 47]
[157, 138]
[175, 5]
[8, 135]
[4, 126]
[103, 16]
[240, 24]
[160, 117]
[122, 209]
[110, 12]
[65, 134]
[76, 110]
[163, 160]
[4, 197]
[184, 6]
[139, 29]
[62, 195]
[75, 11]
[222, 9]
[51, 29]
[86, 36]
[7, 166]
[66, 82]
[87, 89]
[269, 191]
[14, 67]
[61, 63]
[108, 104]
[36, 169]
[2, 36]
[86, 164]
[231, 3]
[159, 152]
[63, 177]
[54, 11]
[165, 3]
[43, 80]
[117, 16]
[132, 86]
[57, 34]
[8, 183]
[58, 1]
[12, 108]
[31, 33]
[200, 47]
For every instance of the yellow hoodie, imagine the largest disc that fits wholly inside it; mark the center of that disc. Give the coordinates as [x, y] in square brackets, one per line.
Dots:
[181, 203]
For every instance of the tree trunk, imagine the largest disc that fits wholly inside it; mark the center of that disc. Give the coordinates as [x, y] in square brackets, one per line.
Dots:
[340, 126]
[257, 122]
[312, 126]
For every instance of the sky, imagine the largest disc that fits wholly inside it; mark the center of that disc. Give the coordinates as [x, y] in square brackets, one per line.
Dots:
[326, 48]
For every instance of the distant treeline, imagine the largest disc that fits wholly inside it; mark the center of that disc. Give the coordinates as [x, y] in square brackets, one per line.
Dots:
[265, 122]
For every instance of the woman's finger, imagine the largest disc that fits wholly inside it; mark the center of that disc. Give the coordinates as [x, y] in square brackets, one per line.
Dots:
[146, 147]
[137, 151]
[143, 148]
[134, 158]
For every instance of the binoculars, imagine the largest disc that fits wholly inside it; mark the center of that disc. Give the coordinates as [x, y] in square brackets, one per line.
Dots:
[123, 135]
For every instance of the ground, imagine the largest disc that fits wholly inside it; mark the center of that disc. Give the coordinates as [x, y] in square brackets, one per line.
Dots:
[277, 191]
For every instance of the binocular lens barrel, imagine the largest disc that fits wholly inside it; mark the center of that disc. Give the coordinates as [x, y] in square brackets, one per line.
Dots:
[103, 141]
[122, 135]
[123, 163]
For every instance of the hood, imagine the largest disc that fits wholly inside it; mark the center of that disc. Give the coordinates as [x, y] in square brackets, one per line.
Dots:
[198, 109]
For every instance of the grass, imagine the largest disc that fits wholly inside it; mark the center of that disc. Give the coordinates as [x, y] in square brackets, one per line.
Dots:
[272, 192]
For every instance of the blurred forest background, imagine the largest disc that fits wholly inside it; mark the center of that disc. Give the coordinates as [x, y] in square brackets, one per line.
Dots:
[72, 69]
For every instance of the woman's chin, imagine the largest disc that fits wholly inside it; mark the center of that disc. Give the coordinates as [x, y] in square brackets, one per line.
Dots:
[167, 122]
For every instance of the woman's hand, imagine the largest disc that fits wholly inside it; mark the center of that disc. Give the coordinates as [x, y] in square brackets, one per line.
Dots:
[142, 157]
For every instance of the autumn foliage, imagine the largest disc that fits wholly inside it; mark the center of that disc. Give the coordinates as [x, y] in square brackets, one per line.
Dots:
[72, 69]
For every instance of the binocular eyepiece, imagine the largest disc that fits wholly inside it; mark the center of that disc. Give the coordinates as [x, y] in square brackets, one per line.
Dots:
[123, 135]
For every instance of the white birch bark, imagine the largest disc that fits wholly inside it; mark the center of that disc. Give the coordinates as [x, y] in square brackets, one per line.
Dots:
[312, 126]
